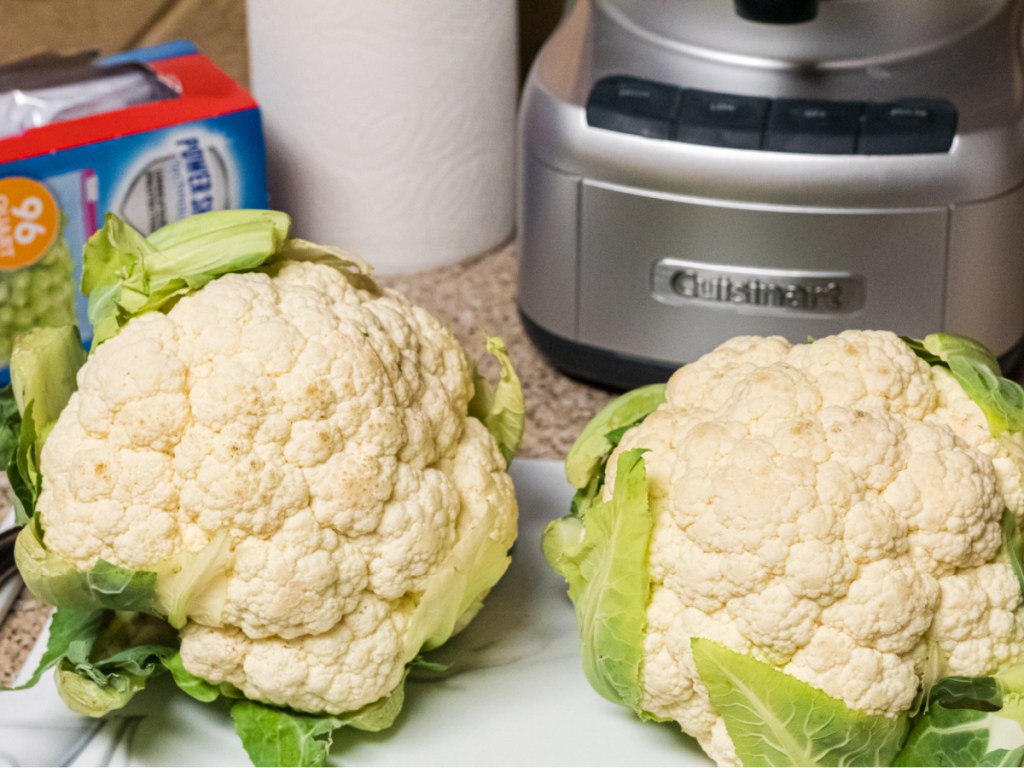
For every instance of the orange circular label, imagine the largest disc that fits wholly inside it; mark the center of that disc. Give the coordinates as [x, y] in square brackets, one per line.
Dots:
[29, 219]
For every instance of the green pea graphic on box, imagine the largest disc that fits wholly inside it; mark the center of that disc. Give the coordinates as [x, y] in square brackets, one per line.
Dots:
[37, 286]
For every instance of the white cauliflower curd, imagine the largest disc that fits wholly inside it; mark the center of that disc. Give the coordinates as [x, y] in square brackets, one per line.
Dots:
[291, 452]
[834, 509]
[325, 430]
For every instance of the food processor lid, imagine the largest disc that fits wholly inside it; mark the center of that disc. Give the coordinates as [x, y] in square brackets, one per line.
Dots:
[842, 33]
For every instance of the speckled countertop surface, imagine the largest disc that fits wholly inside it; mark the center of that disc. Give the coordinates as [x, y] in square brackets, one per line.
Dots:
[473, 297]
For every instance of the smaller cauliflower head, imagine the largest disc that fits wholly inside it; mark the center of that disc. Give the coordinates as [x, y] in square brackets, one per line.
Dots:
[835, 510]
[307, 464]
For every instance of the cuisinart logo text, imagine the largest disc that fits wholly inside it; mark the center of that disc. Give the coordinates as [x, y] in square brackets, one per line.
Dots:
[683, 282]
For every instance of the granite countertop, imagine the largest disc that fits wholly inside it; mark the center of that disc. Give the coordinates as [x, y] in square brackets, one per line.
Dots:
[473, 297]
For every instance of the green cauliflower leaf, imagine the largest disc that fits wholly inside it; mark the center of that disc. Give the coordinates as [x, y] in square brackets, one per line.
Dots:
[603, 556]
[976, 369]
[274, 736]
[103, 658]
[775, 719]
[501, 408]
[125, 274]
[970, 721]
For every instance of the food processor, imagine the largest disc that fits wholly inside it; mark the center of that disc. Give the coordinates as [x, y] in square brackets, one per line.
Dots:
[693, 170]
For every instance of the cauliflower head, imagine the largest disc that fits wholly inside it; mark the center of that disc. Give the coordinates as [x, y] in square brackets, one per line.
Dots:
[835, 510]
[290, 454]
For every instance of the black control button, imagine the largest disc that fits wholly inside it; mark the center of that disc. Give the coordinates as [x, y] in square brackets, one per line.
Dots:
[819, 127]
[721, 119]
[631, 105]
[906, 127]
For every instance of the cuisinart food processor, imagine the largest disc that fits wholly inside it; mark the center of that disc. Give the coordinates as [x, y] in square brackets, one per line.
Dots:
[692, 170]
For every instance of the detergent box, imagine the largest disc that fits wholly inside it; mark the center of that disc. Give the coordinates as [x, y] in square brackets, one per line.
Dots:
[152, 135]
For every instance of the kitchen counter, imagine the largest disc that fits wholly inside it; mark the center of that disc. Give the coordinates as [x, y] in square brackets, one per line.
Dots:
[473, 297]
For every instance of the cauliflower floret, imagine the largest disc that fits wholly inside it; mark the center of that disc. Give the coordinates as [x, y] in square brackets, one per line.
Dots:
[871, 679]
[323, 427]
[977, 625]
[336, 671]
[832, 508]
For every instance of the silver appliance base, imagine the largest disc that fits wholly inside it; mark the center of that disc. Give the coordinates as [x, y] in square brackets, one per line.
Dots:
[617, 372]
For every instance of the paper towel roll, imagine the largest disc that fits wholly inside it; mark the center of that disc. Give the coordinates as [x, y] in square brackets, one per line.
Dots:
[390, 124]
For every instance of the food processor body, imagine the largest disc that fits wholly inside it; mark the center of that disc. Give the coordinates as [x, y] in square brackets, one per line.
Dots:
[688, 175]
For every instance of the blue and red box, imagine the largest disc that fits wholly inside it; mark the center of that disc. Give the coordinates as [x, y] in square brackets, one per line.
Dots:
[197, 146]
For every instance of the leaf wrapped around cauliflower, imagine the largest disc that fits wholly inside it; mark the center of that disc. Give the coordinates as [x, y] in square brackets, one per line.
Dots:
[282, 460]
[834, 533]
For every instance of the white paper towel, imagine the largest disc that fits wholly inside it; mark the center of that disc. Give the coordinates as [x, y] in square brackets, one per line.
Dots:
[390, 124]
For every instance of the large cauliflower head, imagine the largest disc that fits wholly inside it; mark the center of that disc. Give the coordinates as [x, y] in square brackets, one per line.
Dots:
[297, 446]
[831, 508]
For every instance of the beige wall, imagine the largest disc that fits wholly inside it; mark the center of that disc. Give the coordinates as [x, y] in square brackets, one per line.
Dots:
[216, 26]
